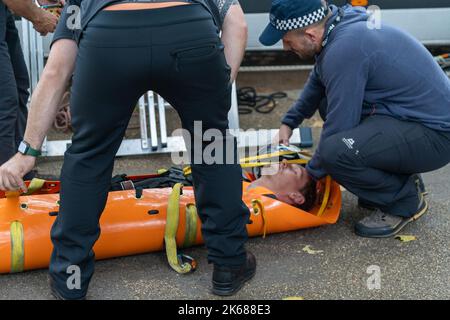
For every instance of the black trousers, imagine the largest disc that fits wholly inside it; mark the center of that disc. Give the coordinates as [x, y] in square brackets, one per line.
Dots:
[377, 159]
[177, 53]
[14, 84]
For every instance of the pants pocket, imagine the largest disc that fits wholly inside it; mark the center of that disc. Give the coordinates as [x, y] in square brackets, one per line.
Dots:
[196, 53]
[200, 67]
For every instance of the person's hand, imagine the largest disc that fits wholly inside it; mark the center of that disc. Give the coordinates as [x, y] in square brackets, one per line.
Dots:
[45, 22]
[284, 135]
[13, 171]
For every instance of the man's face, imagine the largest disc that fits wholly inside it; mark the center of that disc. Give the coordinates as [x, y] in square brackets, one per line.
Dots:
[301, 43]
[293, 176]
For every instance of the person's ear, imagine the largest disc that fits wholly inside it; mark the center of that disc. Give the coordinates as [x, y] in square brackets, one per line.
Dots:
[311, 34]
[297, 198]
[284, 164]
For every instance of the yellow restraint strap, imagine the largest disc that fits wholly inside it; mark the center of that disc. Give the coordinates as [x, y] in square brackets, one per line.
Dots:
[173, 211]
[190, 234]
[17, 247]
[35, 185]
[247, 162]
[258, 208]
[272, 155]
[262, 164]
[326, 196]
[244, 165]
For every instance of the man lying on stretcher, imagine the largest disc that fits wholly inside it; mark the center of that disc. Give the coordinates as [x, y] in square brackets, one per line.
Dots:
[280, 170]
[288, 181]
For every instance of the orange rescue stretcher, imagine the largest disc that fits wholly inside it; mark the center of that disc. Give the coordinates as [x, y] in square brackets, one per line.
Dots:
[141, 221]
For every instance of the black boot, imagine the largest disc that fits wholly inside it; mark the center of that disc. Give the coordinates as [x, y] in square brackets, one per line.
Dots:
[229, 280]
[58, 296]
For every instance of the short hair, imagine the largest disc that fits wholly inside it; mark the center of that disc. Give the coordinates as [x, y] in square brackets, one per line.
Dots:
[310, 194]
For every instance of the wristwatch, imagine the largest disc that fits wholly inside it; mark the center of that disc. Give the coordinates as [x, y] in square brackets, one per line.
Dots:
[25, 149]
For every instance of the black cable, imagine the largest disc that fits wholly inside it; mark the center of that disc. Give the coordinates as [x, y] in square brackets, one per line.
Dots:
[250, 101]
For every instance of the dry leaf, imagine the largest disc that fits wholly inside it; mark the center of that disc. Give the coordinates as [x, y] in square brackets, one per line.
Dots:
[308, 250]
[405, 238]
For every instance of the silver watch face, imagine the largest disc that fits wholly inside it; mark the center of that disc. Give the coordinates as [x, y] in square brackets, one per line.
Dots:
[22, 148]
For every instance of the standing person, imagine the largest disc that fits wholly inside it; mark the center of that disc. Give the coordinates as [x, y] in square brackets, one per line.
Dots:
[14, 79]
[124, 50]
[387, 107]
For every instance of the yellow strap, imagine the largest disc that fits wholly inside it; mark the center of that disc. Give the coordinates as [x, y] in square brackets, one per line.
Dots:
[190, 234]
[258, 208]
[188, 170]
[35, 185]
[17, 247]
[162, 171]
[262, 164]
[326, 196]
[267, 156]
[173, 217]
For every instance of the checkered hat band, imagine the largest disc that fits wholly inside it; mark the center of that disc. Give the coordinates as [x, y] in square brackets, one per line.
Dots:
[301, 22]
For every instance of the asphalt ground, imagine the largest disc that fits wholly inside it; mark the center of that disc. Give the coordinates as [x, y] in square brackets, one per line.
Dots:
[341, 269]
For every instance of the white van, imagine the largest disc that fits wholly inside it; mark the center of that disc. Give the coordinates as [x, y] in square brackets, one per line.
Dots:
[427, 20]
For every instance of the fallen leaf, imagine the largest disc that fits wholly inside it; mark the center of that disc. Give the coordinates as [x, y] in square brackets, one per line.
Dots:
[308, 250]
[294, 298]
[405, 238]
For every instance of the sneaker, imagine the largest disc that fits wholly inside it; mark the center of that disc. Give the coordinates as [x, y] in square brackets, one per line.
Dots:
[229, 280]
[383, 225]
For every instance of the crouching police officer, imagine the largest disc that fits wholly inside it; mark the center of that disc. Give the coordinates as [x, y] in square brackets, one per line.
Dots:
[126, 48]
[387, 107]
[14, 79]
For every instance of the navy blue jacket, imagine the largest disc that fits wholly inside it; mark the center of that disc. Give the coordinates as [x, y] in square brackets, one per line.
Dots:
[363, 71]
